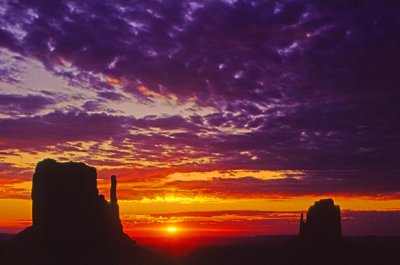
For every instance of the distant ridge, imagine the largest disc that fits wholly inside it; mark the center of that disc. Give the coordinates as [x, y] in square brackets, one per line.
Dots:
[5, 236]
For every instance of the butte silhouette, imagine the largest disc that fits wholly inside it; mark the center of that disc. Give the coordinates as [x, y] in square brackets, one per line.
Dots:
[320, 238]
[73, 223]
[323, 222]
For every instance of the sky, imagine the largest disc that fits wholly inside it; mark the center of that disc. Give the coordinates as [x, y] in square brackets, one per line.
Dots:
[218, 117]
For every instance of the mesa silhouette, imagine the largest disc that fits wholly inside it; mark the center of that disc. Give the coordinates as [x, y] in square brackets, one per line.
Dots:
[323, 222]
[73, 223]
[320, 238]
[319, 242]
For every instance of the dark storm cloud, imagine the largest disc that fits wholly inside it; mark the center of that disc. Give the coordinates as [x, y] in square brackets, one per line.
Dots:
[18, 104]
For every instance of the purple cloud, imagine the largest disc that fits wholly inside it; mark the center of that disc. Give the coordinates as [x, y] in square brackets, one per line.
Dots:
[18, 104]
[307, 85]
[58, 128]
[310, 183]
[217, 50]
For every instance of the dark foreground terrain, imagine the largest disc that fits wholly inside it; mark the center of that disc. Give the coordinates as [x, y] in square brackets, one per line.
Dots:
[374, 250]
[288, 250]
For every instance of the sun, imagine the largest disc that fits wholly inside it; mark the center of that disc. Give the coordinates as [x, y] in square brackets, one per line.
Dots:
[171, 229]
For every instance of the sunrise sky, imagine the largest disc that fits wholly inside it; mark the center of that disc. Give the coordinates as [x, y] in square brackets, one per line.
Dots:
[219, 117]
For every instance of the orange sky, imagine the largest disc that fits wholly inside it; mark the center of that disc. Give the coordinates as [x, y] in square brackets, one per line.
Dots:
[195, 214]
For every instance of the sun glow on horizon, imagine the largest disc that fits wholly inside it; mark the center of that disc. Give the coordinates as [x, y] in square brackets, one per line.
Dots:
[171, 229]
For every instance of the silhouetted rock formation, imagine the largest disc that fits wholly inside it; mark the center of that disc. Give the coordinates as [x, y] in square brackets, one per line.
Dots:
[323, 221]
[320, 239]
[72, 223]
[65, 200]
[114, 223]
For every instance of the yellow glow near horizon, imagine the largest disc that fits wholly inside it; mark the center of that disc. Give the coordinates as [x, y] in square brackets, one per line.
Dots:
[171, 229]
[164, 216]
[254, 204]
[232, 174]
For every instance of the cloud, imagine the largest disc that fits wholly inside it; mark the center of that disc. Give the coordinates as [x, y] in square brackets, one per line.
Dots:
[57, 128]
[7, 40]
[320, 183]
[302, 85]
[110, 95]
[27, 105]
[153, 147]
[216, 50]
[354, 223]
